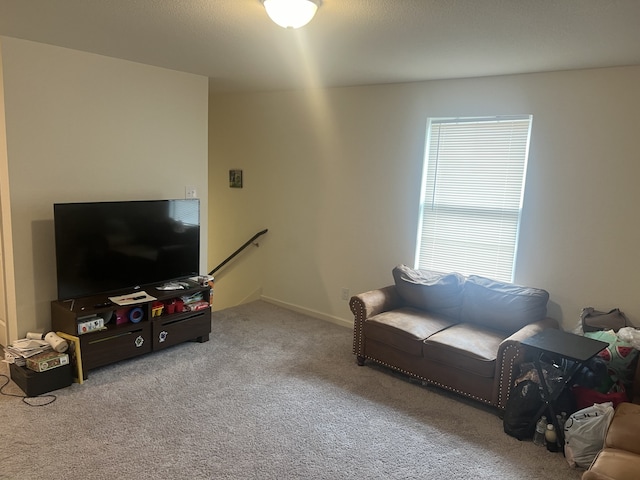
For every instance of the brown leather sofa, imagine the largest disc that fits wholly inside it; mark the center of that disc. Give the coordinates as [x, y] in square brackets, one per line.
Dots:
[620, 458]
[459, 333]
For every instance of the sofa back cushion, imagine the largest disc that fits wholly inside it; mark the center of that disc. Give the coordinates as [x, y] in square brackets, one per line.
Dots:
[502, 306]
[436, 292]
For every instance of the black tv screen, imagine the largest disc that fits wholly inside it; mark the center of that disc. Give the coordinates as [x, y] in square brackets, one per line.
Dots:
[104, 247]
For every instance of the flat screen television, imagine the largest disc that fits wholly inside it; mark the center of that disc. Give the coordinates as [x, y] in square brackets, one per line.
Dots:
[104, 247]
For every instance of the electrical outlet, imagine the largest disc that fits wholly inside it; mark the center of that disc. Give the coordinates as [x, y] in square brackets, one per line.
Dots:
[190, 192]
[344, 294]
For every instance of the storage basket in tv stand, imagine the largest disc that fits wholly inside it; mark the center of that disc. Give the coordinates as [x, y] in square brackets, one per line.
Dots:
[126, 340]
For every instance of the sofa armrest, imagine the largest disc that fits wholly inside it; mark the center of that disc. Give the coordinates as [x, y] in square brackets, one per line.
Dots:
[366, 305]
[511, 354]
[374, 302]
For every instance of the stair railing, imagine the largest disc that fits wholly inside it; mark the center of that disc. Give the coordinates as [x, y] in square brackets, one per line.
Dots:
[246, 244]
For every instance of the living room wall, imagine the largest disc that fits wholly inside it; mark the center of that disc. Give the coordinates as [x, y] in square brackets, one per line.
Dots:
[335, 176]
[83, 127]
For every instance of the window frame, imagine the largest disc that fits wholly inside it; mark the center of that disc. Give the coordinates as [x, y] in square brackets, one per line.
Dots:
[512, 192]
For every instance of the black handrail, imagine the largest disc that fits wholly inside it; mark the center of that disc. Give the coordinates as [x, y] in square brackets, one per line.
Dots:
[238, 251]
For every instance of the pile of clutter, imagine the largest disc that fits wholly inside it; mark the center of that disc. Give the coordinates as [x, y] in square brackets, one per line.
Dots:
[185, 303]
[588, 406]
[38, 352]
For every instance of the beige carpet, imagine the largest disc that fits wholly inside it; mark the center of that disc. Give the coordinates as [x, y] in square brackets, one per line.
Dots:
[273, 395]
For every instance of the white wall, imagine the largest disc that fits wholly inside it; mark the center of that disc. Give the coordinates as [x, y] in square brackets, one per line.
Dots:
[84, 127]
[335, 176]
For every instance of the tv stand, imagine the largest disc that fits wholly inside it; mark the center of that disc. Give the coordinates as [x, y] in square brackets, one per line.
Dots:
[164, 322]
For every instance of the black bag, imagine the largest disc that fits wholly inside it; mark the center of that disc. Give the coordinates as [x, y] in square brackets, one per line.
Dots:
[522, 406]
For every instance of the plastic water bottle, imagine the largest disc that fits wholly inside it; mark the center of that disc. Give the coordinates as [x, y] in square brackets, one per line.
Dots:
[551, 438]
[541, 428]
[562, 419]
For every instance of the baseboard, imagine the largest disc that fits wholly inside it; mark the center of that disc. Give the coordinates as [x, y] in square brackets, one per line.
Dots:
[312, 313]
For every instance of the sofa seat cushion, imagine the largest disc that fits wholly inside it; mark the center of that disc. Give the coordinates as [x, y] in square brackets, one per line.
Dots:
[405, 328]
[436, 292]
[612, 463]
[502, 306]
[466, 346]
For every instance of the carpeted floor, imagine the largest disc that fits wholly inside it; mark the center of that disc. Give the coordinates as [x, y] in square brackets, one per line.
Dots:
[273, 395]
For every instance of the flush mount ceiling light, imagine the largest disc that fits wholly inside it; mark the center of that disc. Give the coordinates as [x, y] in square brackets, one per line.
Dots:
[291, 13]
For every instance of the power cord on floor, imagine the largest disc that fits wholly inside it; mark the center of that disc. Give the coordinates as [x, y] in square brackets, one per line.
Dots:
[48, 399]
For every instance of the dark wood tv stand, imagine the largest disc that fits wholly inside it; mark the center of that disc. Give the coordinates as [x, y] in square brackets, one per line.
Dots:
[126, 340]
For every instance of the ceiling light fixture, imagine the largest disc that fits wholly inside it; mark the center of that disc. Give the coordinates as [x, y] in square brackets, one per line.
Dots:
[291, 13]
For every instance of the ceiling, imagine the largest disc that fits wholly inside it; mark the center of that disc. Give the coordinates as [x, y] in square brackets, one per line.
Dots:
[349, 42]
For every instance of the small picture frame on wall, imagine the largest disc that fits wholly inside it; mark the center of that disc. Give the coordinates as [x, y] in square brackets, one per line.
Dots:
[235, 178]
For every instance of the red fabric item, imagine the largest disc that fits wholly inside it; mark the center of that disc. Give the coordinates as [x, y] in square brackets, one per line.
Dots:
[585, 397]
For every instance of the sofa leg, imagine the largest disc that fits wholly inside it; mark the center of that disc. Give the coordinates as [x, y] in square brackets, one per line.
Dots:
[360, 359]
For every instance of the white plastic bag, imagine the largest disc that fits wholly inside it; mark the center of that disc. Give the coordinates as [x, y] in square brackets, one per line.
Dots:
[630, 335]
[584, 433]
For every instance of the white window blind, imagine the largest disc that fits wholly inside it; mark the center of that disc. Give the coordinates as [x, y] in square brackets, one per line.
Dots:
[472, 192]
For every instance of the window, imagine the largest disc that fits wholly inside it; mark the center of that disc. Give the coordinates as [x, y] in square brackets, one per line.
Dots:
[474, 175]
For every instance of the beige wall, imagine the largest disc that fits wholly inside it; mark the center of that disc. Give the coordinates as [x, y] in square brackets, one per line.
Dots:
[335, 176]
[83, 127]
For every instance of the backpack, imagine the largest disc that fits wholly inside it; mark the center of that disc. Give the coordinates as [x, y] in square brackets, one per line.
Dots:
[522, 406]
